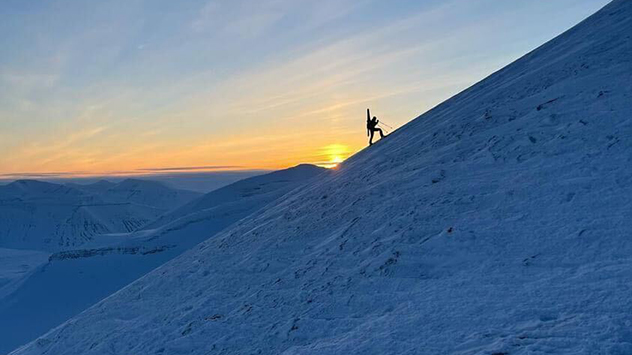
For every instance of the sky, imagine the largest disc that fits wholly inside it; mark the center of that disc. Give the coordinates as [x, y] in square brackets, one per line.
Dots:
[146, 86]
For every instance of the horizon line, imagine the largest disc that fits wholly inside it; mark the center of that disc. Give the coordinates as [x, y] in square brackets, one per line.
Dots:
[162, 171]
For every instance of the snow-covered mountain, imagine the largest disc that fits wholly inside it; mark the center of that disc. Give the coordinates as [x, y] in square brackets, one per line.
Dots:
[33, 190]
[141, 192]
[263, 187]
[95, 187]
[67, 282]
[496, 223]
[46, 216]
[147, 193]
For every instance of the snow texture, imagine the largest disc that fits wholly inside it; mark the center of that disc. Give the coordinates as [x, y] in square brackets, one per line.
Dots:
[16, 266]
[496, 223]
[259, 187]
[39, 291]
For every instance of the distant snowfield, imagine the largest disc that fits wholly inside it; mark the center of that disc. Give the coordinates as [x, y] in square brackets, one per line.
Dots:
[40, 290]
[497, 223]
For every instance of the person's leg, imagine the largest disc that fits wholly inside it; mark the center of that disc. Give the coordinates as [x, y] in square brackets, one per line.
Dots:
[381, 133]
[371, 138]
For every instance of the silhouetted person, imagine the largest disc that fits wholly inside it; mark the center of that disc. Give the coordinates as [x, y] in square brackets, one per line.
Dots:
[371, 126]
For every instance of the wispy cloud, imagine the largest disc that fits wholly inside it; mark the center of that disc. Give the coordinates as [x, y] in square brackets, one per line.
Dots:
[194, 168]
[135, 172]
[239, 83]
[239, 19]
[57, 145]
[29, 80]
[40, 175]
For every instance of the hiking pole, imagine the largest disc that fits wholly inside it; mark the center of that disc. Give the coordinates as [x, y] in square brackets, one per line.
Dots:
[386, 125]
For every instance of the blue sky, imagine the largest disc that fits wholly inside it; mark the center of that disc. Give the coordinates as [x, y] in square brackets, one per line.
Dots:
[122, 85]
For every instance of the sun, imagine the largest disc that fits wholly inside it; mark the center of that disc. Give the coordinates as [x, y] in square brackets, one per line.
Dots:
[332, 155]
[336, 159]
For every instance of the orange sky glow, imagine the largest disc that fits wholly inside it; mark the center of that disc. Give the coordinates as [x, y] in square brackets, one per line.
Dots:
[127, 89]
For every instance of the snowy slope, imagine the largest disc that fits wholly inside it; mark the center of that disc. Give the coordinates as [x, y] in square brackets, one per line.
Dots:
[258, 187]
[142, 192]
[147, 193]
[16, 266]
[496, 223]
[72, 280]
[46, 216]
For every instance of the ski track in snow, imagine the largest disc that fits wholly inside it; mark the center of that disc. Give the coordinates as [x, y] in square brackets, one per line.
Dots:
[497, 223]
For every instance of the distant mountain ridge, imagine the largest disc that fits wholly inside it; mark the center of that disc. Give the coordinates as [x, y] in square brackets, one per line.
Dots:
[34, 189]
[98, 186]
[143, 192]
[47, 216]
